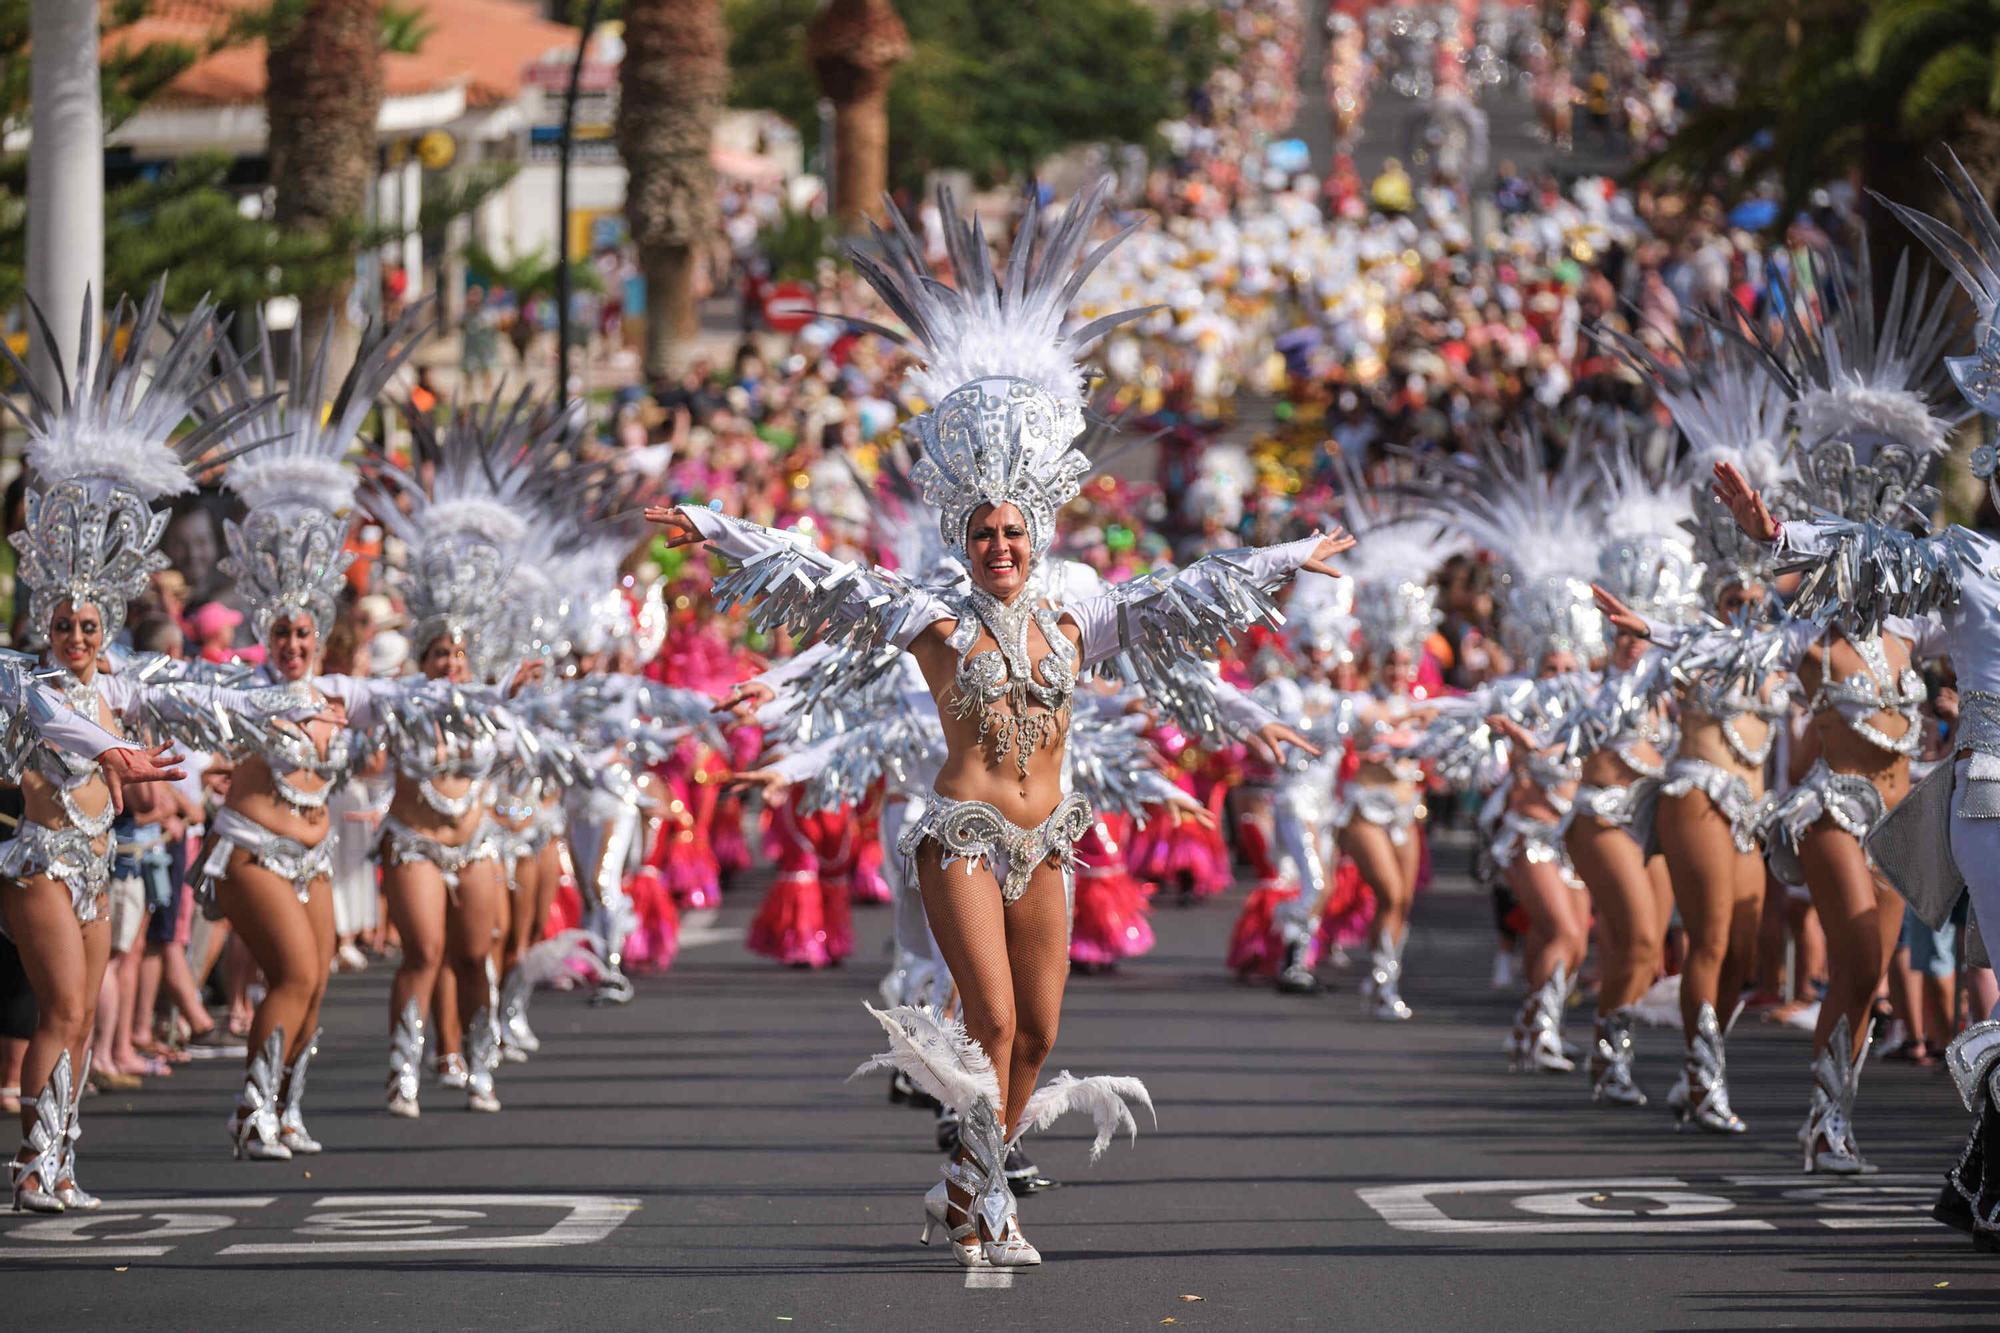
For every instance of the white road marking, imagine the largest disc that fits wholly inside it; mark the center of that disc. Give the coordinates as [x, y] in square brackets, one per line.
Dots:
[65, 1236]
[701, 929]
[989, 1279]
[1409, 1208]
[591, 1218]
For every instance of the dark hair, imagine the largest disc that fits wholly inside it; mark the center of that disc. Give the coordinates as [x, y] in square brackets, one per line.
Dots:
[157, 634]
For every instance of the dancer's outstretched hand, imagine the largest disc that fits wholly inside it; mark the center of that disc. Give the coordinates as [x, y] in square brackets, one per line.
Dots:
[745, 699]
[681, 530]
[1330, 545]
[768, 781]
[1199, 815]
[1620, 615]
[123, 764]
[1267, 742]
[1744, 503]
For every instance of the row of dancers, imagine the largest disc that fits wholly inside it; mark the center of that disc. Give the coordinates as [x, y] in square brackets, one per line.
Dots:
[997, 714]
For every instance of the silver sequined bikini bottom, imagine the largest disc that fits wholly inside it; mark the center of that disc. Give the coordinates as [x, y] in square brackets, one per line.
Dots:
[1386, 807]
[64, 854]
[1727, 791]
[402, 844]
[1535, 841]
[287, 858]
[1851, 802]
[973, 831]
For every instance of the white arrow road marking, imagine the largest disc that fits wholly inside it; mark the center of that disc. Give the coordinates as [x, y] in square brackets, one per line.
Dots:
[65, 1236]
[1409, 1208]
[591, 1218]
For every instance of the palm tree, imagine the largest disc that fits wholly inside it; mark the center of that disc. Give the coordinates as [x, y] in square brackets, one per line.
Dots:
[853, 46]
[1941, 54]
[671, 88]
[324, 73]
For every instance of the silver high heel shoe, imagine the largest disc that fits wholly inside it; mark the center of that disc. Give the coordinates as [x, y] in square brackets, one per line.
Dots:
[1383, 986]
[1612, 1082]
[1827, 1137]
[482, 1057]
[76, 1199]
[520, 1039]
[291, 1117]
[46, 1140]
[1536, 1045]
[253, 1125]
[1702, 1095]
[406, 1057]
[964, 1238]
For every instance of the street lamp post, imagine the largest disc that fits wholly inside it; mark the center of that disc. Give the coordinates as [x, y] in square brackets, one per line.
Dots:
[562, 203]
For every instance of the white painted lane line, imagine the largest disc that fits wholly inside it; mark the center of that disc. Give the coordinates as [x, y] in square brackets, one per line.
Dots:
[405, 1224]
[989, 1279]
[1409, 1208]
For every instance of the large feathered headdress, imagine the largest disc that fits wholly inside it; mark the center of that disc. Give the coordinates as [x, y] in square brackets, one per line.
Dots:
[1397, 546]
[1732, 410]
[1000, 379]
[464, 531]
[1540, 523]
[1646, 556]
[104, 449]
[288, 555]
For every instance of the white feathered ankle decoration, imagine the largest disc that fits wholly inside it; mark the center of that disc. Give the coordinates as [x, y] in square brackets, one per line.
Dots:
[1103, 1096]
[935, 1053]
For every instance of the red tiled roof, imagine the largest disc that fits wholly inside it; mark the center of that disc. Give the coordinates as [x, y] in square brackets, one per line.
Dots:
[484, 44]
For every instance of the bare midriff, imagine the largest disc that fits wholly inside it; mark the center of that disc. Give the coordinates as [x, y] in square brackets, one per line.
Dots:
[971, 772]
[254, 794]
[1843, 748]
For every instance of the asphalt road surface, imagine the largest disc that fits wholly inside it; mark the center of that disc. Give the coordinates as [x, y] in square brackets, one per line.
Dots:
[696, 1160]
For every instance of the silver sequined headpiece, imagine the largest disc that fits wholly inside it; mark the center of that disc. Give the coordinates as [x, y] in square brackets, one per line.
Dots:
[1000, 377]
[1731, 409]
[1647, 557]
[288, 556]
[465, 532]
[104, 450]
[1540, 524]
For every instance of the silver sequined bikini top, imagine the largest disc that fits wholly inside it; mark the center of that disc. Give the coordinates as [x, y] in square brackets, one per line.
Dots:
[1863, 695]
[453, 756]
[66, 772]
[1038, 710]
[287, 751]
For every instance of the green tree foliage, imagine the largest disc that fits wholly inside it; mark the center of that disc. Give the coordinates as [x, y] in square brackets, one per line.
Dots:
[992, 88]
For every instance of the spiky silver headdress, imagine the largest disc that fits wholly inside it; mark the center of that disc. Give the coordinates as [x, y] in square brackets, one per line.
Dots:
[1004, 392]
[1388, 573]
[1647, 557]
[288, 555]
[465, 532]
[1540, 523]
[1975, 264]
[104, 450]
[1731, 409]
[1871, 401]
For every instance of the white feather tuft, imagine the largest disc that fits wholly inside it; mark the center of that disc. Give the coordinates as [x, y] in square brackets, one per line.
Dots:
[268, 477]
[935, 1053]
[140, 459]
[1104, 1097]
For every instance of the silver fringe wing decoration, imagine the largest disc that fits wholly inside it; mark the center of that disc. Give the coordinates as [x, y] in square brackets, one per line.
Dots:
[1165, 618]
[1871, 572]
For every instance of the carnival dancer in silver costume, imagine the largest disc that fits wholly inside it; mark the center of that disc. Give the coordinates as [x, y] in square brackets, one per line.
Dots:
[441, 851]
[267, 862]
[1733, 691]
[1873, 408]
[100, 457]
[1647, 559]
[1541, 524]
[1943, 839]
[998, 462]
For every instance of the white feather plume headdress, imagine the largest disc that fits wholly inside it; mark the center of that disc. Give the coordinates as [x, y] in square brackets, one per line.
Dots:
[105, 448]
[1647, 554]
[1541, 524]
[1730, 409]
[464, 530]
[1398, 545]
[1000, 378]
[288, 555]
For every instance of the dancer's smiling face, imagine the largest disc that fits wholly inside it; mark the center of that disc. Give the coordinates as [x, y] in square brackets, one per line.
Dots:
[445, 659]
[291, 644]
[996, 546]
[76, 637]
